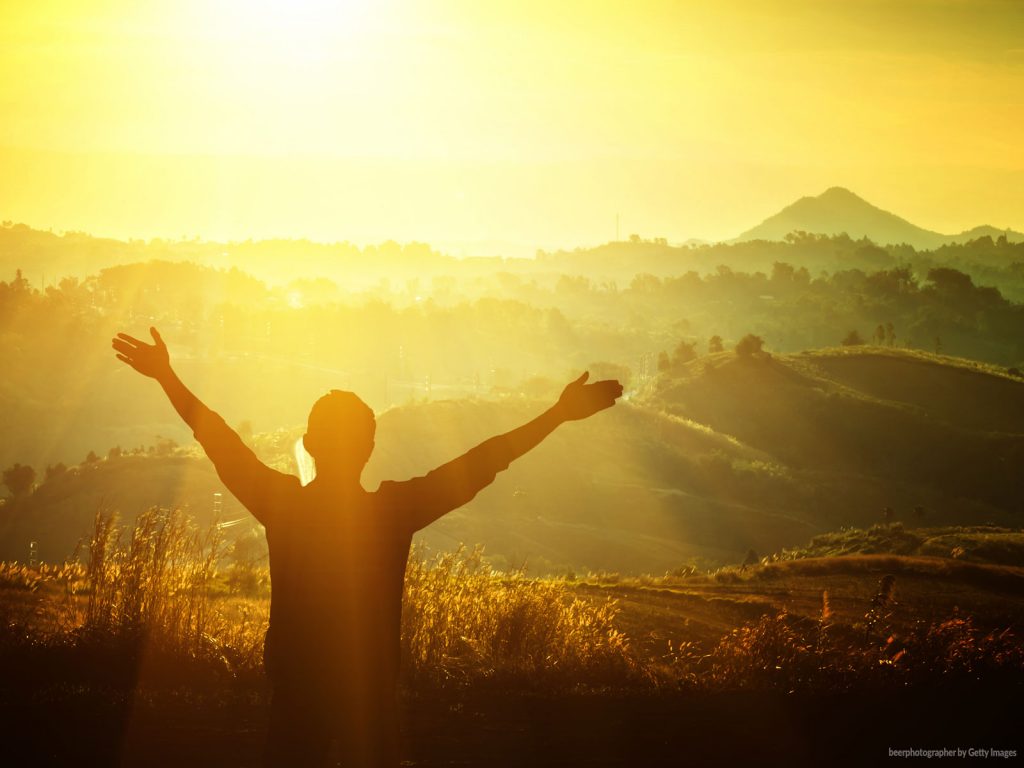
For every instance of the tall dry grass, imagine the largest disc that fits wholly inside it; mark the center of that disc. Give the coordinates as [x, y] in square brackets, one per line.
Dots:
[153, 604]
[158, 581]
[162, 590]
[464, 621]
[154, 591]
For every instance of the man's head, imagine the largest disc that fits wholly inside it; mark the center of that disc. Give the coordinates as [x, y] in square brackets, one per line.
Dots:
[340, 433]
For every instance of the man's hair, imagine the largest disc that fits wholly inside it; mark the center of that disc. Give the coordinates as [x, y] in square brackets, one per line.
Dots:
[338, 419]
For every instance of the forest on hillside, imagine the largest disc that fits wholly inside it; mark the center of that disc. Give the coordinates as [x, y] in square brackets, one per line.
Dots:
[459, 330]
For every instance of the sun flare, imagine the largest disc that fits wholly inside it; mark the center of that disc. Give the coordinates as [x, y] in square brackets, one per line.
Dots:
[289, 24]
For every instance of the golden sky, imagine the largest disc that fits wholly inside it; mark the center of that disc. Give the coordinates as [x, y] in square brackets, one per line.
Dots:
[499, 125]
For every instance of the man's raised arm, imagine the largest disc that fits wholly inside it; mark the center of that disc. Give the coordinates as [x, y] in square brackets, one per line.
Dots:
[453, 484]
[153, 360]
[252, 482]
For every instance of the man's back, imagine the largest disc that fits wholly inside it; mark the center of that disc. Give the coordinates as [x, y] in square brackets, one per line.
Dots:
[337, 566]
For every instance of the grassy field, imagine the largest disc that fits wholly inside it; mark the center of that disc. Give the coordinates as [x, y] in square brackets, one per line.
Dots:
[148, 653]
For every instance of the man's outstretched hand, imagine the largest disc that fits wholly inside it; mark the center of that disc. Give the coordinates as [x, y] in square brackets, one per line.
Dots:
[148, 359]
[580, 400]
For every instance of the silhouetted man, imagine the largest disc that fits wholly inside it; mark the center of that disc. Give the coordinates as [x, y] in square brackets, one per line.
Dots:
[338, 555]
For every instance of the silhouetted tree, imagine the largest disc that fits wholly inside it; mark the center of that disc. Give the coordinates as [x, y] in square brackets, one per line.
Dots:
[888, 514]
[20, 284]
[685, 351]
[664, 364]
[879, 337]
[165, 446]
[890, 334]
[782, 272]
[951, 283]
[852, 339]
[645, 283]
[55, 470]
[715, 345]
[749, 345]
[19, 479]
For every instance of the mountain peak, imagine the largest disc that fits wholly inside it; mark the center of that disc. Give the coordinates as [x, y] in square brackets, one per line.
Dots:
[839, 193]
[836, 211]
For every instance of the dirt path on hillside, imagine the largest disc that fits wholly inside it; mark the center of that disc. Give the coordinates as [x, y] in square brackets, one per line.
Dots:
[702, 612]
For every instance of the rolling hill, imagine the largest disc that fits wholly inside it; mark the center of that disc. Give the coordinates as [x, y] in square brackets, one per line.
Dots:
[918, 426]
[724, 455]
[838, 210]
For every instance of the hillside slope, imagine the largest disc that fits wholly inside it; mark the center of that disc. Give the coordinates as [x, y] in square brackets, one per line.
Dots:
[929, 431]
[629, 490]
[724, 455]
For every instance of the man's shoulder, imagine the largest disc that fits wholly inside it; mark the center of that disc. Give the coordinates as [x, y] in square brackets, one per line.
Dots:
[282, 491]
[284, 482]
[385, 491]
[393, 494]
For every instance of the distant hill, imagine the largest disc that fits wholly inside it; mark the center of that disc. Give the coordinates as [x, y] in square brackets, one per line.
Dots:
[984, 544]
[918, 429]
[724, 455]
[838, 210]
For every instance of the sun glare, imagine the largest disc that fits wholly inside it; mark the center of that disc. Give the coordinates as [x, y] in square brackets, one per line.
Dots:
[291, 22]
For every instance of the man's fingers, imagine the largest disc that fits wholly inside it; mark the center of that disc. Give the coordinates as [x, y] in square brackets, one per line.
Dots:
[123, 347]
[130, 339]
[128, 361]
[609, 388]
[156, 337]
[583, 379]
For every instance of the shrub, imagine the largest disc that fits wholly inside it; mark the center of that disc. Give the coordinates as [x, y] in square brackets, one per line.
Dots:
[749, 345]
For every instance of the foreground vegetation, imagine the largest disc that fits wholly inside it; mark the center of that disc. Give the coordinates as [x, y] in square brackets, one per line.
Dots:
[153, 636]
[155, 591]
[155, 598]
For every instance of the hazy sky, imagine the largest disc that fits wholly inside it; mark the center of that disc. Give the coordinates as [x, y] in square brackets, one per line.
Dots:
[513, 124]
